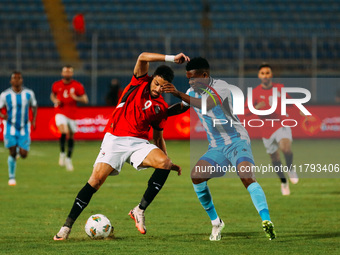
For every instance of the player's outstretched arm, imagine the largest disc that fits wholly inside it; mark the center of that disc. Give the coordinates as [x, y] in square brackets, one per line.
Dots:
[82, 99]
[176, 109]
[192, 101]
[142, 64]
[34, 119]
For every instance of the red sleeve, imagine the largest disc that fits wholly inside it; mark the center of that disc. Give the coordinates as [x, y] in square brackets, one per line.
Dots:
[135, 81]
[80, 89]
[255, 101]
[54, 88]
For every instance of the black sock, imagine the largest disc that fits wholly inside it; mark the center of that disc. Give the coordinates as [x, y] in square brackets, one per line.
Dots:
[81, 201]
[70, 144]
[62, 142]
[278, 169]
[155, 184]
[289, 160]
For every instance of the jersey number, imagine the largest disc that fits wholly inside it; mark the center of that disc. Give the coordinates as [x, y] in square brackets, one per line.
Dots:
[147, 105]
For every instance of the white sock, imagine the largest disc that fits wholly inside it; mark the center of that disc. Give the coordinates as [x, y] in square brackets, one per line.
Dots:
[216, 221]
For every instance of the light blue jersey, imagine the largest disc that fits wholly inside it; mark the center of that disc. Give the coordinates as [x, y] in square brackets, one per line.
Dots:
[220, 134]
[229, 141]
[17, 125]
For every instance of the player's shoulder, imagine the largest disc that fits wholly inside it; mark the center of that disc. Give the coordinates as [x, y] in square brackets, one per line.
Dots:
[27, 90]
[77, 83]
[221, 87]
[278, 85]
[6, 91]
[58, 82]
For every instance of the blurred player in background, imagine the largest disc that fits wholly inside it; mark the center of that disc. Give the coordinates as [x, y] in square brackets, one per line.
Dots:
[228, 145]
[65, 95]
[126, 140]
[17, 100]
[274, 136]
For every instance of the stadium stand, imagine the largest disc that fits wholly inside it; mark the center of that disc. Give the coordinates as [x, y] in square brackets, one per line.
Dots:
[236, 30]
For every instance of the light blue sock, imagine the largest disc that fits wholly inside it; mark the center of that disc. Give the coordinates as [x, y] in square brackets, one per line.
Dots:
[204, 196]
[12, 164]
[259, 200]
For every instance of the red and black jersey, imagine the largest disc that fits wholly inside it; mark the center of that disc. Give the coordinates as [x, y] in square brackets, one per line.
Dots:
[137, 111]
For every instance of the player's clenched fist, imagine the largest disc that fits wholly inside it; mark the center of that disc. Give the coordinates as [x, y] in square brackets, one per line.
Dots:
[181, 58]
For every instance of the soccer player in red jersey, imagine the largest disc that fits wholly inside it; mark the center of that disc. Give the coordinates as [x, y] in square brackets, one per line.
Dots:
[140, 108]
[65, 95]
[274, 136]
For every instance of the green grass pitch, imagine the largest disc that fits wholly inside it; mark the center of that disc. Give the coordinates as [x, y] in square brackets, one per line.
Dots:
[307, 221]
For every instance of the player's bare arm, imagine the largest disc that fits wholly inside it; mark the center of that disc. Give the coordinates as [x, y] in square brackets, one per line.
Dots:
[260, 105]
[81, 99]
[54, 99]
[176, 109]
[34, 119]
[142, 64]
[159, 140]
[195, 102]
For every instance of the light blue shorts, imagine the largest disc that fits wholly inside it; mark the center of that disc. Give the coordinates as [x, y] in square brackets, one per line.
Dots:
[232, 155]
[21, 138]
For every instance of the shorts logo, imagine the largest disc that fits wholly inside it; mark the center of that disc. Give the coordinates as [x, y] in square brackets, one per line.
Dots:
[235, 153]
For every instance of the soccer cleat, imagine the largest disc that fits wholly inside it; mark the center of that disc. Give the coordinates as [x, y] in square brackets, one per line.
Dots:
[216, 231]
[137, 215]
[12, 182]
[63, 234]
[268, 228]
[293, 177]
[285, 189]
[62, 157]
[68, 164]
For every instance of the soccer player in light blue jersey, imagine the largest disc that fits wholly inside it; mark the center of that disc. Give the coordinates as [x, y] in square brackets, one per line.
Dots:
[228, 144]
[17, 100]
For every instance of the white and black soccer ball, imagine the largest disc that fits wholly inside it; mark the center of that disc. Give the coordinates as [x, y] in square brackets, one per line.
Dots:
[98, 226]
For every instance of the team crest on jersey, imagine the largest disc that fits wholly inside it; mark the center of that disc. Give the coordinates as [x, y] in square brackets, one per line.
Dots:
[157, 108]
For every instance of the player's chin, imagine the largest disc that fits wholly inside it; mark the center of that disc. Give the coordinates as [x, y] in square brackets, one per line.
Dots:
[155, 94]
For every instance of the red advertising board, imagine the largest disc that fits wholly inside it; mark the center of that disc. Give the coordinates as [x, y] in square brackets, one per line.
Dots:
[91, 122]
[324, 123]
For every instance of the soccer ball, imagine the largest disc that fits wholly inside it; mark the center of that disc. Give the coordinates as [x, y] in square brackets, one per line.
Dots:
[98, 226]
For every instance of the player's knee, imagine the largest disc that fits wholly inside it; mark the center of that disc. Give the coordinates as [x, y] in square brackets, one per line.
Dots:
[247, 181]
[275, 157]
[286, 150]
[164, 163]
[23, 154]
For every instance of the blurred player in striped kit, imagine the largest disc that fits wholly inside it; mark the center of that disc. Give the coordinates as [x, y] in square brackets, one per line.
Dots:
[17, 100]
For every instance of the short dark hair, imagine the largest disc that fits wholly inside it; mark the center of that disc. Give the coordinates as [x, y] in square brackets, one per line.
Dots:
[165, 72]
[265, 65]
[198, 63]
[16, 72]
[67, 66]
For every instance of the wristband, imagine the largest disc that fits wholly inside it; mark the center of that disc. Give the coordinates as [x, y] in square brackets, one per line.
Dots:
[169, 58]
